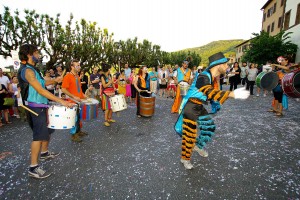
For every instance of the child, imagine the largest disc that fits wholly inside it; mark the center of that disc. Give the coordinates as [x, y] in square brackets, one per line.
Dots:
[63, 96]
[89, 93]
[22, 111]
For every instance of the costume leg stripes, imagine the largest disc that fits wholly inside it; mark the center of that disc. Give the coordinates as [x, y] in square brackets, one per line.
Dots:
[189, 135]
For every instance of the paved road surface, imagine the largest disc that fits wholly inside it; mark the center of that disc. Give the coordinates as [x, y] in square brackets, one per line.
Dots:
[254, 155]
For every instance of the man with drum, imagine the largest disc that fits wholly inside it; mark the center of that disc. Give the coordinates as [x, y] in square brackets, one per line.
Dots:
[71, 86]
[193, 115]
[34, 93]
[181, 74]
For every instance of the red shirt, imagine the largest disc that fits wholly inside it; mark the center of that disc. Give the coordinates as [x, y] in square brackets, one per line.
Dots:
[73, 85]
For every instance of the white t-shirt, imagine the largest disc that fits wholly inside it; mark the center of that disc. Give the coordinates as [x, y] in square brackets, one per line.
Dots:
[252, 73]
[20, 102]
[266, 68]
[161, 74]
[4, 80]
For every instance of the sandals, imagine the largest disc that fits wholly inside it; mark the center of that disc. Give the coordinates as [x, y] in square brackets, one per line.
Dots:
[8, 122]
[272, 110]
[278, 114]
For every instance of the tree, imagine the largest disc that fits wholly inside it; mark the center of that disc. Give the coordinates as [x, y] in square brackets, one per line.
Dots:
[264, 47]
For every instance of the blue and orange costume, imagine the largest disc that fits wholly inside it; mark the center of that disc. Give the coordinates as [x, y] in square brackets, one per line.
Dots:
[193, 114]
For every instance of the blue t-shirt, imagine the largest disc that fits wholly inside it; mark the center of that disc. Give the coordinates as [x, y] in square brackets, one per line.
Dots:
[153, 74]
[127, 72]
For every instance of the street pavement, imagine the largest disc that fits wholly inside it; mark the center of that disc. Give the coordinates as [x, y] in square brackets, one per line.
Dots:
[253, 155]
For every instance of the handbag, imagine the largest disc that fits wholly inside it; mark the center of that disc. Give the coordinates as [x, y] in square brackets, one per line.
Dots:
[8, 101]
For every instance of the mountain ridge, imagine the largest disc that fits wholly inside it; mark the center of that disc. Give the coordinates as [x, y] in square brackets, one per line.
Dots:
[225, 46]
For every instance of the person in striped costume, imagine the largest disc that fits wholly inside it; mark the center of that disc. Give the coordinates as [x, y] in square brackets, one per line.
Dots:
[193, 114]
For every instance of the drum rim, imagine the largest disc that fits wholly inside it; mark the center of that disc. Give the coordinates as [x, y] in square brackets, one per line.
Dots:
[295, 93]
[296, 74]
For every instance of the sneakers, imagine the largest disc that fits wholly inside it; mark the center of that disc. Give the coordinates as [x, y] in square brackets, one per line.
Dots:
[106, 124]
[265, 95]
[257, 95]
[187, 164]
[76, 138]
[111, 120]
[82, 133]
[39, 173]
[49, 155]
[201, 152]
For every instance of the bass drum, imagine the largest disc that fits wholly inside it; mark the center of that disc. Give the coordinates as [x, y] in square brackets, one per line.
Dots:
[267, 80]
[291, 84]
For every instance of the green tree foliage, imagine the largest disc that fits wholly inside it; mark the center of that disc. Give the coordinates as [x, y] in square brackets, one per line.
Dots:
[179, 56]
[264, 47]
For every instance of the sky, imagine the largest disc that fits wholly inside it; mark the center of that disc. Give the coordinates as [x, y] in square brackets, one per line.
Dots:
[172, 24]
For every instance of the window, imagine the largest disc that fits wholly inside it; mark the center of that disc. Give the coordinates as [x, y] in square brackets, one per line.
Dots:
[282, 2]
[272, 27]
[264, 18]
[279, 22]
[274, 8]
[297, 21]
[287, 20]
[268, 29]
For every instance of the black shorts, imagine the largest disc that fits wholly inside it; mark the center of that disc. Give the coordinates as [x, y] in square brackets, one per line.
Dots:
[278, 96]
[39, 125]
[162, 86]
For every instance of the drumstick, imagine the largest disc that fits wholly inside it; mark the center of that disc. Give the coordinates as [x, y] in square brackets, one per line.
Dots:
[29, 110]
[63, 73]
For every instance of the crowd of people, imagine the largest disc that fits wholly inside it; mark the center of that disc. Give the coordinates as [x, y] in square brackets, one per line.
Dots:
[161, 81]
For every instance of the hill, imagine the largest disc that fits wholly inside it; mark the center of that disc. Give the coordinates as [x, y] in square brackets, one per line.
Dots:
[225, 46]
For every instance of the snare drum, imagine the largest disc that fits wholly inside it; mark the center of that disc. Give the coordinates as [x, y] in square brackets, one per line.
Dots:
[184, 87]
[291, 84]
[61, 117]
[89, 109]
[118, 103]
[267, 80]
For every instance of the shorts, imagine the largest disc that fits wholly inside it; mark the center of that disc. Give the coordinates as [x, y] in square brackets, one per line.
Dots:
[162, 86]
[171, 87]
[278, 96]
[39, 125]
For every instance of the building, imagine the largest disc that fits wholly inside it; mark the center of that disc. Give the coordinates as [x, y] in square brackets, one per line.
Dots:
[273, 14]
[292, 23]
[278, 15]
[240, 49]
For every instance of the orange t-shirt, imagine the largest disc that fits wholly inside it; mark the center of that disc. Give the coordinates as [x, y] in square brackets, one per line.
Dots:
[73, 85]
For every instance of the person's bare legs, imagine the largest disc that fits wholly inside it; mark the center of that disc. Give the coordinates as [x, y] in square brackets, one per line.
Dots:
[35, 151]
[45, 145]
[6, 116]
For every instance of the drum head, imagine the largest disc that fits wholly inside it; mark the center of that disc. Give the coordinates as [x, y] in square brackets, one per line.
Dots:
[269, 81]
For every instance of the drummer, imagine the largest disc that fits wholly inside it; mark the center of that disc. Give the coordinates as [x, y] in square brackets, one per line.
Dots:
[282, 68]
[108, 91]
[33, 91]
[71, 86]
[141, 87]
[181, 74]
